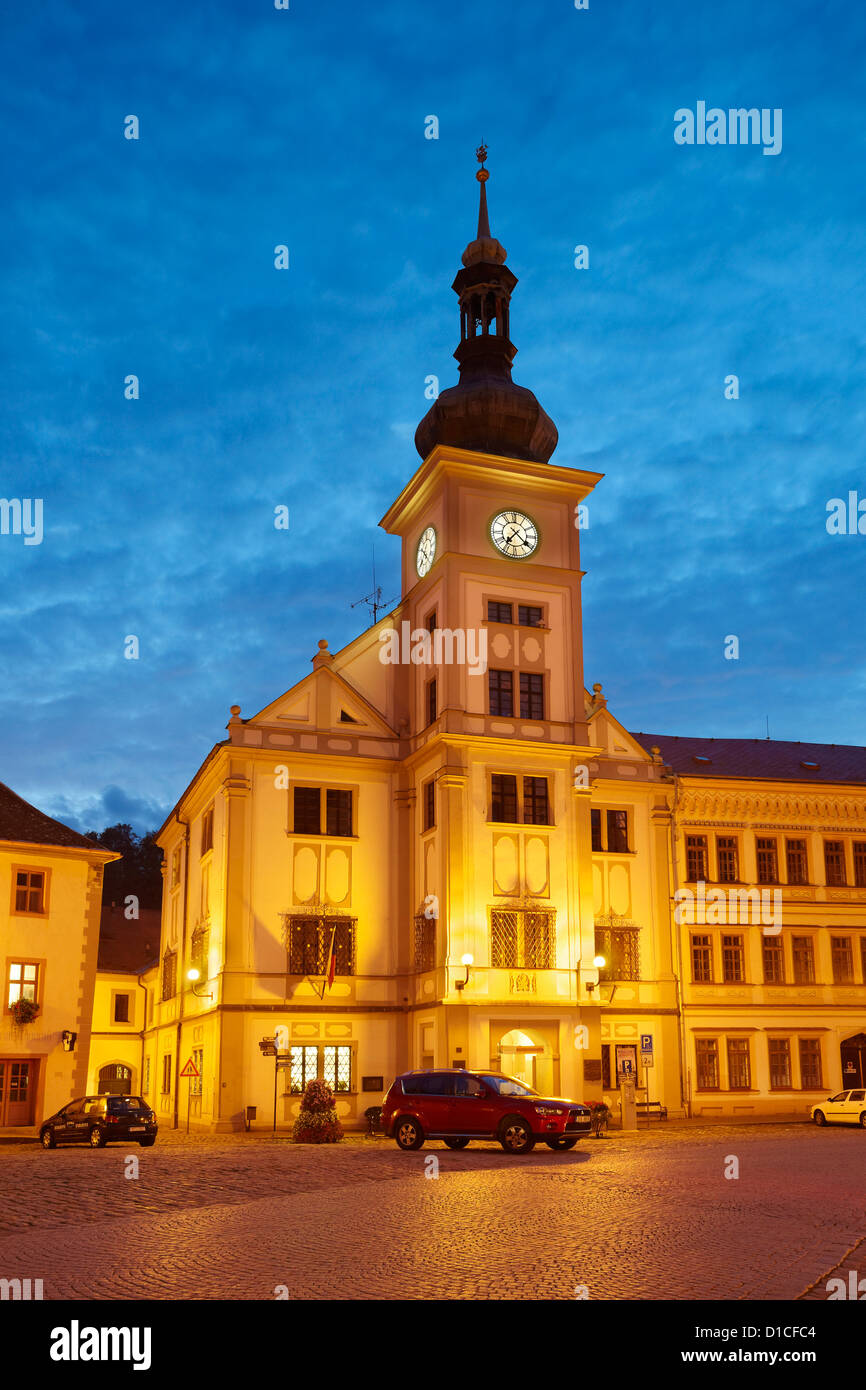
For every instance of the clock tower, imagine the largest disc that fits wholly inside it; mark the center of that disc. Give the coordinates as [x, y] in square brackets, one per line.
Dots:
[489, 691]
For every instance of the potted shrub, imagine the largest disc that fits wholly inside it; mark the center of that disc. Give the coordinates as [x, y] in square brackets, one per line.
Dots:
[24, 1011]
[317, 1123]
[599, 1118]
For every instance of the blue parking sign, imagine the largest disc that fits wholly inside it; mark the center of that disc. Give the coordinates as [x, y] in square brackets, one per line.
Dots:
[646, 1042]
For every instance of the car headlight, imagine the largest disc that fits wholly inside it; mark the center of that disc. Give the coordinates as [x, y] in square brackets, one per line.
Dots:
[548, 1110]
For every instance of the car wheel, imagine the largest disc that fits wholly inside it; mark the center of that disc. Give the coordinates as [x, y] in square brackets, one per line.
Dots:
[147, 1143]
[96, 1138]
[456, 1143]
[408, 1133]
[819, 1117]
[46, 1138]
[863, 1119]
[515, 1136]
[562, 1141]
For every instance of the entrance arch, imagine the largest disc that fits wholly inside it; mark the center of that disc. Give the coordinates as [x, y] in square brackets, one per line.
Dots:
[115, 1079]
[527, 1056]
[853, 1054]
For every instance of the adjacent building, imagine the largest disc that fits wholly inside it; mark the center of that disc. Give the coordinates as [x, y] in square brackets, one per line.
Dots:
[50, 900]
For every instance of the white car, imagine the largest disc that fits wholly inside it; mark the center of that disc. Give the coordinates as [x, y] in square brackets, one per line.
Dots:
[845, 1108]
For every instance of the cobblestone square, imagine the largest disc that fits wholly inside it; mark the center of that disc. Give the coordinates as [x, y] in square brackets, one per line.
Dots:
[645, 1216]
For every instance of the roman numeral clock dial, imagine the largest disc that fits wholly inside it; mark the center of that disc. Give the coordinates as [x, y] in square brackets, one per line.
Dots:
[514, 534]
[426, 552]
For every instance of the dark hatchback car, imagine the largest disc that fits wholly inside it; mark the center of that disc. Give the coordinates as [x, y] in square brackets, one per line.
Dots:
[459, 1106]
[99, 1120]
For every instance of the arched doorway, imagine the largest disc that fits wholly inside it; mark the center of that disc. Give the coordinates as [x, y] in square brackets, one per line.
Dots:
[528, 1057]
[853, 1052]
[115, 1080]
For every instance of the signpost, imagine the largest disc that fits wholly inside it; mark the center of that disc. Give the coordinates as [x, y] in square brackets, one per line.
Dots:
[189, 1071]
[278, 1048]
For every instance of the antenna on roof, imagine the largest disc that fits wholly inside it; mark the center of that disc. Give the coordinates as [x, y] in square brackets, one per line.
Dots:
[768, 725]
[374, 600]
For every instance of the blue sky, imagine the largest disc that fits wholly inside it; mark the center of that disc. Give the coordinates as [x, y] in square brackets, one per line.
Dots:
[304, 387]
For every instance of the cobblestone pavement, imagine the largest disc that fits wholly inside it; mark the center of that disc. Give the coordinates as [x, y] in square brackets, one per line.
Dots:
[648, 1216]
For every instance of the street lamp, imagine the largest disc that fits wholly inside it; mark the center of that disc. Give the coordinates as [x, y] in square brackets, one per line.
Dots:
[599, 963]
[468, 959]
[68, 1039]
[192, 975]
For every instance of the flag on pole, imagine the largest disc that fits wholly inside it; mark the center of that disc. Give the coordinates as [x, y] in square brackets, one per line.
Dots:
[332, 957]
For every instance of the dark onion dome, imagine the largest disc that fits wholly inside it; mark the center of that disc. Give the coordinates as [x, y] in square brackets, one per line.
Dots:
[486, 412]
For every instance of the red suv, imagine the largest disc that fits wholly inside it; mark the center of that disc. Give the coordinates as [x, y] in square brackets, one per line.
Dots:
[458, 1106]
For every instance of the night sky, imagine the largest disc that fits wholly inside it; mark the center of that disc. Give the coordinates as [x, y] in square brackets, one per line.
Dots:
[303, 387]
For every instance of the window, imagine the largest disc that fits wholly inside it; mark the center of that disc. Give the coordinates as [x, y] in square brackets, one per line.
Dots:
[195, 1088]
[696, 858]
[500, 685]
[308, 811]
[199, 951]
[207, 830]
[728, 856]
[308, 815]
[595, 822]
[310, 945]
[175, 867]
[30, 891]
[22, 982]
[303, 1067]
[498, 612]
[535, 807]
[527, 616]
[843, 960]
[166, 1074]
[432, 703]
[834, 863]
[803, 952]
[531, 695]
[702, 959]
[338, 1067]
[522, 938]
[429, 804]
[798, 865]
[338, 812]
[810, 1064]
[503, 798]
[425, 942]
[205, 890]
[121, 1008]
[620, 947]
[739, 1068]
[774, 960]
[617, 832]
[431, 621]
[768, 860]
[733, 966]
[863, 958]
[504, 804]
[780, 1064]
[169, 975]
[707, 1052]
[860, 863]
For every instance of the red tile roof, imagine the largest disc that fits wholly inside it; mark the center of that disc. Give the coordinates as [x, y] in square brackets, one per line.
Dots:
[761, 758]
[21, 822]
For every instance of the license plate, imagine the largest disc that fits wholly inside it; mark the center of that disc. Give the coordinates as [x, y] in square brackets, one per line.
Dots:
[136, 1129]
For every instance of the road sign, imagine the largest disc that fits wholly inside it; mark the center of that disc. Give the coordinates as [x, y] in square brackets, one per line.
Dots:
[646, 1043]
[190, 1069]
[647, 1059]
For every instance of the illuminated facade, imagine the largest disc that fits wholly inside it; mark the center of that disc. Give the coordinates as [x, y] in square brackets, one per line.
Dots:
[443, 817]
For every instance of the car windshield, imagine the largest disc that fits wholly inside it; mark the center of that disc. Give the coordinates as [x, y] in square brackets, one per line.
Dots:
[507, 1086]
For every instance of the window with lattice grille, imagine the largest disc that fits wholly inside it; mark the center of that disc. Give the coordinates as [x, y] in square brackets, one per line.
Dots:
[309, 945]
[425, 942]
[522, 937]
[620, 947]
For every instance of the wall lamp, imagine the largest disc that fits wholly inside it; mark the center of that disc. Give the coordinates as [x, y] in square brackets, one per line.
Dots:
[599, 963]
[193, 975]
[68, 1040]
[467, 960]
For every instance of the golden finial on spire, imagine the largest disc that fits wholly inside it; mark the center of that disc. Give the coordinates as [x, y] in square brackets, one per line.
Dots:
[481, 154]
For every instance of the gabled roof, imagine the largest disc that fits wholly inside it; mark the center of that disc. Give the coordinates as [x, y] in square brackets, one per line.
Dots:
[22, 823]
[761, 758]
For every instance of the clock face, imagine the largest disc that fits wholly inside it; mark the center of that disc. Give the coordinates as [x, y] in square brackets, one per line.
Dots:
[426, 552]
[514, 534]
